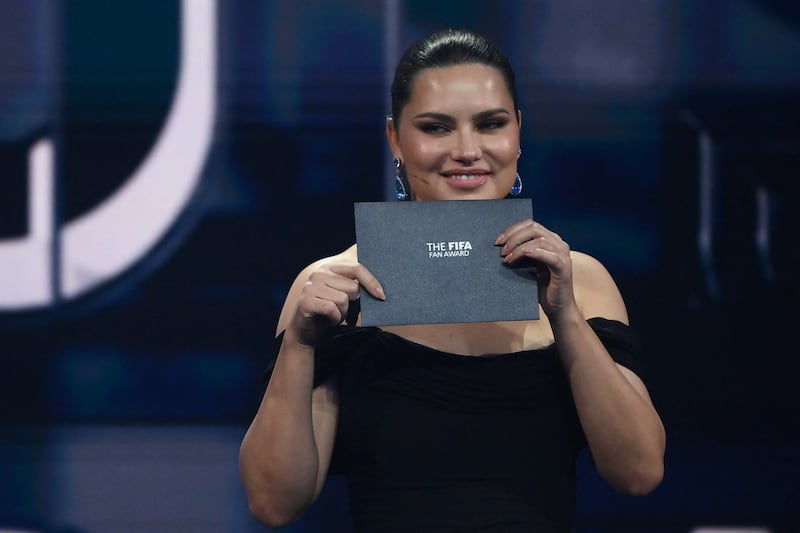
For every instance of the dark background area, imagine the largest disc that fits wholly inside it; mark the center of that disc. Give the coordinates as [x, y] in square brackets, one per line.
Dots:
[662, 137]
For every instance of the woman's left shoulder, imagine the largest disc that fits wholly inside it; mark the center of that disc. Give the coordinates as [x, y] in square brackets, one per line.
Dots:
[596, 293]
[588, 268]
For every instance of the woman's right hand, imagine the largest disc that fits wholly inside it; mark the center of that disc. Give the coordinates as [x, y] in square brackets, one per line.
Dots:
[325, 298]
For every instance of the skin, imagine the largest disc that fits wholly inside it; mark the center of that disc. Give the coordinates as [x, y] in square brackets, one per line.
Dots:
[459, 121]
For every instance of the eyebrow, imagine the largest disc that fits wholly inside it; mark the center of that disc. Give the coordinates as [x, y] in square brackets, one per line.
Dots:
[478, 116]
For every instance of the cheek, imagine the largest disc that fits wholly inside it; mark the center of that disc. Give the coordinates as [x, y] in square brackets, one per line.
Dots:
[506, 149]
[422, 153]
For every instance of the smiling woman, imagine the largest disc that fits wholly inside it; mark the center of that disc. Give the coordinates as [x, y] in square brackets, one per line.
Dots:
[453, 427]
[458, 135]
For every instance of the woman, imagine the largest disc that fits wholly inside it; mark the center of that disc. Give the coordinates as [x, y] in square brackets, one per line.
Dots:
[453, 427]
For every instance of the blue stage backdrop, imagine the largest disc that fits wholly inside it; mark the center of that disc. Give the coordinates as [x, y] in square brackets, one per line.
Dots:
[167, 167]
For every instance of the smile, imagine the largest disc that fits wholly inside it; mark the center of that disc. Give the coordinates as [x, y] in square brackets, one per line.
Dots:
[466, 181]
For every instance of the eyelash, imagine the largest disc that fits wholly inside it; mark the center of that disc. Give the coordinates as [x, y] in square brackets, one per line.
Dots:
[435, 128]
[492, 124]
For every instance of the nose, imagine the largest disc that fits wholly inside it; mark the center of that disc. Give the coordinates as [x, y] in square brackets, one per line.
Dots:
[467, 147]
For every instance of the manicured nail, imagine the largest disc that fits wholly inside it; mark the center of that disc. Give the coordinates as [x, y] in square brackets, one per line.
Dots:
[381, 294]
[499, 239]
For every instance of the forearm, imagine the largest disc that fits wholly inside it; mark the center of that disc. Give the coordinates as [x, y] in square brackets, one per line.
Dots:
[624, 432]
[279, 461]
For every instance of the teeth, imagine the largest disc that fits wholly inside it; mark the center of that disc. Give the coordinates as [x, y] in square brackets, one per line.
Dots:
[464, 177]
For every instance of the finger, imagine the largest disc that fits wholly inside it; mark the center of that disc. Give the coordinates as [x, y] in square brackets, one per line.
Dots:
[364, 277]
[512, 247]
[527, 232]
[541, 251]
[313, 307]
[340, 298]
[512, 229]
[323, 278]
[537, 254]
[334, 310]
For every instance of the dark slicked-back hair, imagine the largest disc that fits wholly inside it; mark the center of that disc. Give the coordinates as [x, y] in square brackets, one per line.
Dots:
[445, 49]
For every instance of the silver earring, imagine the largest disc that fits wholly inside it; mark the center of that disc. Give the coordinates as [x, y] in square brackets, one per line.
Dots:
[516, 189]
[400, 188]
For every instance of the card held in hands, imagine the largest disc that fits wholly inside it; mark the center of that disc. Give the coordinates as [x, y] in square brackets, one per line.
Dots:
[438, 263]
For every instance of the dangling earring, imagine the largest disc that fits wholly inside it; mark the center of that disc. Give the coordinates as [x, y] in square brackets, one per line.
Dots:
[400, 188]
[516, 189]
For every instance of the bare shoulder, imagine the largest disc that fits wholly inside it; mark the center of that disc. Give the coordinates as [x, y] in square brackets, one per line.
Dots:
[595, 290]
[588, 270]
[347, 256]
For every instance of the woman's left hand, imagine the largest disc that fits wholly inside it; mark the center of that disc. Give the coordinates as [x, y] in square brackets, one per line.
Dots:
[529, 240]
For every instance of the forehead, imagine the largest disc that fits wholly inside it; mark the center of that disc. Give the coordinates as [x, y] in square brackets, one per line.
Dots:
[460, 85]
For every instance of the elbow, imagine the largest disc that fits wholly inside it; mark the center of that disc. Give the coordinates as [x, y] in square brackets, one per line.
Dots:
[638, 471]
[645, 481]
[264, 510]
[640, 480]
[271, 502]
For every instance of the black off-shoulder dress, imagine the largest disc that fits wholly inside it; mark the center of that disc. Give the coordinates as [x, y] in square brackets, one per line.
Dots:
[431, 441]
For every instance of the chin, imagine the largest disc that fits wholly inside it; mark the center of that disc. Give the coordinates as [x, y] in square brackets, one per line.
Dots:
[483, 195]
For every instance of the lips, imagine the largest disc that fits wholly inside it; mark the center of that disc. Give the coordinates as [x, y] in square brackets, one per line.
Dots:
[466, 179]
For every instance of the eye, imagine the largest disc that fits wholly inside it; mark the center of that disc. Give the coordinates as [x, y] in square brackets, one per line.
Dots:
[434, 127]
[492, 124]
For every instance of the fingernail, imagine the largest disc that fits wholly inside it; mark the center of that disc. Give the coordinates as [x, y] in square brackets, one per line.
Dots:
[381, 293]
[499, 239]
[504, 250]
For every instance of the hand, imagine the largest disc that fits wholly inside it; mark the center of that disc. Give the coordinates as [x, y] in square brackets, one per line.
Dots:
[532, 241]
[326, 296]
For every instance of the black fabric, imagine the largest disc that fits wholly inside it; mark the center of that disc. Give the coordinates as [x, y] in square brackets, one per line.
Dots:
[433, 441]
[622, 343]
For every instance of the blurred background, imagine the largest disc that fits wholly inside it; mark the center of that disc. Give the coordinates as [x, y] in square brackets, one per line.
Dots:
[167, 167]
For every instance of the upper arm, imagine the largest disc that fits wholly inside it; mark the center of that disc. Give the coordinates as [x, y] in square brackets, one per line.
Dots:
[598, 296]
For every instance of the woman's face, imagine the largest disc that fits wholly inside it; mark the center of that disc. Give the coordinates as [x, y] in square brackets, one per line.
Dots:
[458, 136]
